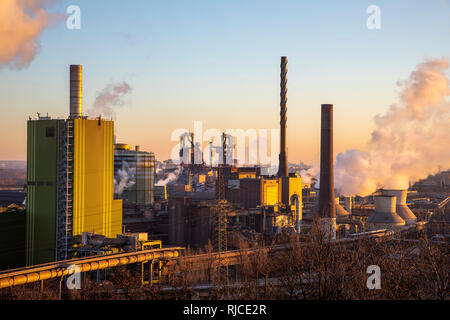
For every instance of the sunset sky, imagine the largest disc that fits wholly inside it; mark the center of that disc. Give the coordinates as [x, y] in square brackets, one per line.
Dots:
[218, 61]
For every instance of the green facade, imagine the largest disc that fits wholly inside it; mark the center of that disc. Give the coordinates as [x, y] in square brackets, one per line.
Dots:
[42, 158]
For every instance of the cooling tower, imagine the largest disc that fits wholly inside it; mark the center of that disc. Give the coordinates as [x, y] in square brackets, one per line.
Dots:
[385, 216]
[402, 209]
[76, 75]
[339, 210]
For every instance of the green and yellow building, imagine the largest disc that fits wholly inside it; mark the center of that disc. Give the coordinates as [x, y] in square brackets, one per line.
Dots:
[70, 185]
[70, 180]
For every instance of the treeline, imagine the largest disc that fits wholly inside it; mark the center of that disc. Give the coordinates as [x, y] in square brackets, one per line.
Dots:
[12, 177]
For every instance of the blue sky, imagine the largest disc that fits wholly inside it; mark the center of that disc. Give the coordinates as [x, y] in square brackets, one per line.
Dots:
[218, 61]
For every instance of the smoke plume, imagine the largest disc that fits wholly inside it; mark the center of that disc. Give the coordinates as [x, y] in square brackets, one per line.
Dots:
[126, 177]
[21, 24]
[309, 174]
[111, 96]
[410, 141]
[172, 176]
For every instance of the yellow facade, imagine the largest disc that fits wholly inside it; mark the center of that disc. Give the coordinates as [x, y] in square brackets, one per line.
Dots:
[201, 178]
[272, 189]
[248, 175]
[269, 192]
[295, 187]
[94, 209]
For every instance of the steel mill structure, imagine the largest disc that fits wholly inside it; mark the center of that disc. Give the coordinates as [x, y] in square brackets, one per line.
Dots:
[94, 203]
[247, 202]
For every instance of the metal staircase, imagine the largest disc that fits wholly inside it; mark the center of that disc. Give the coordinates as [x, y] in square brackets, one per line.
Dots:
[64, 216]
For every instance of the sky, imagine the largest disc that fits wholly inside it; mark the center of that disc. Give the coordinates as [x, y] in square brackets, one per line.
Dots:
[219, 62]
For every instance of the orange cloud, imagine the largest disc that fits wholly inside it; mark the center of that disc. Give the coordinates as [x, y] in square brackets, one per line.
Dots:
[21, 24]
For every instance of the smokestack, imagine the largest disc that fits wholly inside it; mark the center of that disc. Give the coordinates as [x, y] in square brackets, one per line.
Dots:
[75, 91]
[282, 164]
[327, 213]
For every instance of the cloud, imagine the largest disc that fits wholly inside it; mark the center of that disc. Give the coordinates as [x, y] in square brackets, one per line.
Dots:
[109, 97]
[410, 141]
[21, 24]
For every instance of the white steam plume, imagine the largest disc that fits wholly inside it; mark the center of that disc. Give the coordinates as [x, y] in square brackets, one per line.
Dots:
[308, 174]
[111, 96]
[21, 24]
[126, 177]
[172, 176]
[410, 141]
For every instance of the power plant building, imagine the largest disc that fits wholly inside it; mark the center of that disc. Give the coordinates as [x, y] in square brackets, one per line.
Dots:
[70, 181]
[134, 175]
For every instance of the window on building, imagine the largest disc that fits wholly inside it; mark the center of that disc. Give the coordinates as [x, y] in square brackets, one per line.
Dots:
[50, 131]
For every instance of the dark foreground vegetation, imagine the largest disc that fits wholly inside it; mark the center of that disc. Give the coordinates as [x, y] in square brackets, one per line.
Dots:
[414, 268]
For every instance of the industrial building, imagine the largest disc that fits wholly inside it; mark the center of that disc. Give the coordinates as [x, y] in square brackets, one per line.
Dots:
[245, 199]
[70, 180]
[78, 178]
[137, 168]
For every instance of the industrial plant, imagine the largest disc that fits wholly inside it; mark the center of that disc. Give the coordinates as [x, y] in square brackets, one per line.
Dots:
[94, 202]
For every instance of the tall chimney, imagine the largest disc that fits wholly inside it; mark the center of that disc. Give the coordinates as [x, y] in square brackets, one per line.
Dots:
[327, 213]
[282, 164]
[75, 91]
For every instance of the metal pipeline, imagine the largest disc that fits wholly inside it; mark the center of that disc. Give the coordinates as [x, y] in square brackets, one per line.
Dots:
[62, 268]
